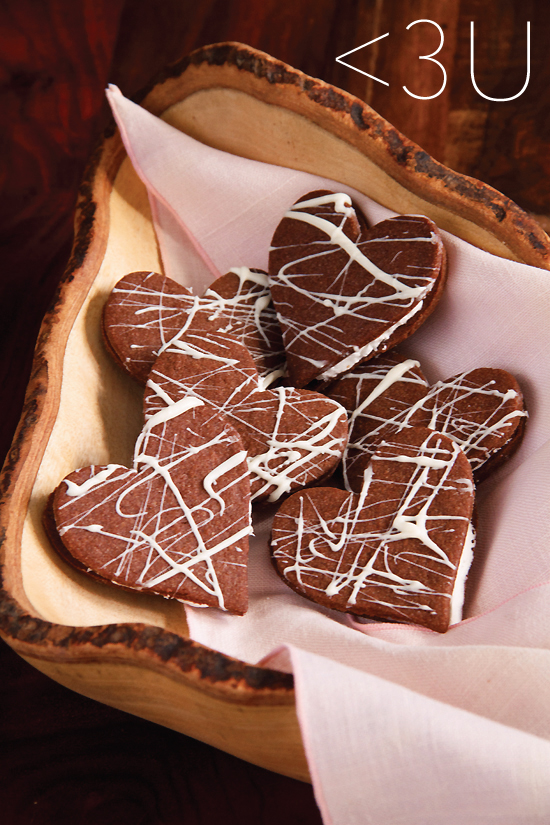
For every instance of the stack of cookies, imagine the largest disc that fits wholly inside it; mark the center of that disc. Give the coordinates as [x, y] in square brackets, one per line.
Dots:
[286, 387]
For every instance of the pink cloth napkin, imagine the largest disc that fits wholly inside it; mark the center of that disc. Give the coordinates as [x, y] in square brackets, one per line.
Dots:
[400, 725]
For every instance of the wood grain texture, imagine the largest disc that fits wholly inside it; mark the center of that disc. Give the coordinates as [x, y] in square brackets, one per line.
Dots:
[148, 671]
[56, 59]
[68, 760]
[54, 65]
[501, 143]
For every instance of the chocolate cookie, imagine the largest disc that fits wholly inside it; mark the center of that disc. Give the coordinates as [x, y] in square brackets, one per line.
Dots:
[145, 311]
[400, 549]
[343, 293]
[375, 394]
[293, 437]
[242, 299]
[176, 524]
[482, 410]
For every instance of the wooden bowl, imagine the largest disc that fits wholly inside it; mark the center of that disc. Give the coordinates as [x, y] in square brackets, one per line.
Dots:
[133, 651]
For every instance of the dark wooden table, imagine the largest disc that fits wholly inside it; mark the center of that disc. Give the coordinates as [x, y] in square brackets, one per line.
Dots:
[67, 759]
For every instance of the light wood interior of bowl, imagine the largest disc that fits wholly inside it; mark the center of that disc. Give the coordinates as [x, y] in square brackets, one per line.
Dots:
[238, 122]
[98, 420]
[99, 412]
[95, 413]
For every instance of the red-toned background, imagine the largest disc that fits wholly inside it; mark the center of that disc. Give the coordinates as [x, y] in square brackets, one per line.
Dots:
[66, 759]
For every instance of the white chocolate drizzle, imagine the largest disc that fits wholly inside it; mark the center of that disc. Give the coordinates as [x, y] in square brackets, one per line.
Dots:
[157, 310]
[469, 408]
[292, 436]
[288, 454]
[77, 490]
[343, 304]
[458, 594]
[161, 313]
[395, 557]
[385, 302]
[251, 319]
[173, 515]
[389, 378]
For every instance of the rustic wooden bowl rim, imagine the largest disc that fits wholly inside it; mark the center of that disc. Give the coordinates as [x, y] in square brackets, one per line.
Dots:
[153, 646]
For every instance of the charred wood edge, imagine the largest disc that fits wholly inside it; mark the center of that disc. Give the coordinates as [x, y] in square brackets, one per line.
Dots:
[407, 163]
[131, 644]
[153, 646]
[142, 645]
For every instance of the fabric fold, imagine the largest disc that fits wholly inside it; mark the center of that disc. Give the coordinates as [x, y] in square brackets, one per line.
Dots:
[400, 725]
[388, 755]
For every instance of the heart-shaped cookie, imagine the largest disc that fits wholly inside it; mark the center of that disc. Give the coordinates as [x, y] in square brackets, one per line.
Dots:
[344, 292]
[177, 524]
[293, 437]
[242, 300]
[482, 410]
[375, 394]
[145, 311]
[399, 550]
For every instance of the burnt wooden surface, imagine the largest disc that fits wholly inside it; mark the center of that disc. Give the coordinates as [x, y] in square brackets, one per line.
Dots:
[66, 758]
